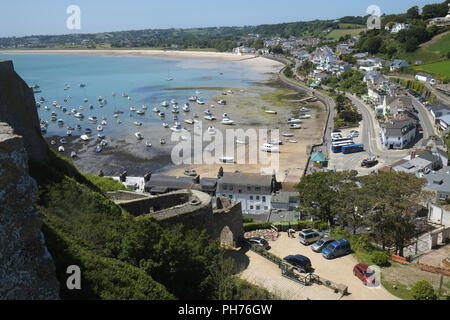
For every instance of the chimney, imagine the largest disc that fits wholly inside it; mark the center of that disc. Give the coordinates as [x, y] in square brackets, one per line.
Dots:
[147, 176]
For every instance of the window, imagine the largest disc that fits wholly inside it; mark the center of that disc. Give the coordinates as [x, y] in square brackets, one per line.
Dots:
[249, 188]
[225, 187]
[266, 208]
[251, 207]
[258, 208]
[257, 198]
[231, 188]
[264, 198]
[251, 197]
[240, 191]
[258, 188]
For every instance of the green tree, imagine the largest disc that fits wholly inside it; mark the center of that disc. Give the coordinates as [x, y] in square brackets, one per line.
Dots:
[320, 194]
[390, 199]
[413, 13]
[423, 290]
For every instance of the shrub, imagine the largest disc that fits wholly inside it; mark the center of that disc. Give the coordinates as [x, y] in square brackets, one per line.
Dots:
[247, 220]
[363, 242]
[251, 226]
[423, 290]
[380, 258]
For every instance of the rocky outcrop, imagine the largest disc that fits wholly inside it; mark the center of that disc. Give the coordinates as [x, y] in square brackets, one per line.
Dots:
[18, 109]
[27, 270]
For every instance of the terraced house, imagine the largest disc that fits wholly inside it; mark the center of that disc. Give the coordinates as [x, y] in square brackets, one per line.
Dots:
[253, 190]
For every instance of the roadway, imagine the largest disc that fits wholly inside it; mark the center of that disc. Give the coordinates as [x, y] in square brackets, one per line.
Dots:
[371, 134]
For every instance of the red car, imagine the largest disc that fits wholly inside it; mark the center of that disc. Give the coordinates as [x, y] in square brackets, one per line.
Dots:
[363, 272]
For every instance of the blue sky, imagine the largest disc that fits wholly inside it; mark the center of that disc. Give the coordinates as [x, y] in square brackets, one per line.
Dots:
[31, 17]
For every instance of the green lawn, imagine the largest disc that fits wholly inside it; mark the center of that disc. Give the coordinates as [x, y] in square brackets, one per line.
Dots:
[336, 34]
[439, 68]
[442, 45]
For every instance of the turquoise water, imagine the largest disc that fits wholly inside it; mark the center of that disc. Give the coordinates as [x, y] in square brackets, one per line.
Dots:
[142, 78]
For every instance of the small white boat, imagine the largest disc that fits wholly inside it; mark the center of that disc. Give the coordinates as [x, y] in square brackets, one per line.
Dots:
[175, 111]
[222, 102]
[227, 121]
[209, 117]
[78, 115]
[287, 135]
[294, 120]
[195, 115]
[156, 110]
[229, 160]
[176, 128]
[144, 107]
[211, 131]
[69, 133]
[85, 100]
[295, 126]
[73, 154]
[60, 122]
[186, 108]
[305, 116]
[124, 95]
[200, 101]
[165, 125]
[162, 141]
[193, 98]
[269, 148]
[104, 123]
[271, 112]
[137, 124]
[38, 104]
[118, 121]
[162, 114]
[304, 109]
[47, 108]
[173, 101]
[189, 121]
[148, 144]
[140, 112]
[139, 136]
[292, 141]
[207, 111]
[99, 128]
[275, 142]
[132, 109]
[61, 149]
[164, 104]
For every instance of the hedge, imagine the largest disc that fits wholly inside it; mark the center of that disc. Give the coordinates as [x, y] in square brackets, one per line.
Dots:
[285, 225]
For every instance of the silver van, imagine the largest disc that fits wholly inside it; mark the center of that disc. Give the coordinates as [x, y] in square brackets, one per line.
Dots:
[307, 237]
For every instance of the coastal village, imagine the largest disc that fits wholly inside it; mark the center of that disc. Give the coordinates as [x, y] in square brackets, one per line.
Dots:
[313, 227]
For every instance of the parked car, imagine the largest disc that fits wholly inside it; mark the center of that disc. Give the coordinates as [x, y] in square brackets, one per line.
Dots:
[190, 172]
[419, 128]
[336, 249]
[260, 242]
[307, 237]
[369, 162]
[354, 134]
[364, 273]
[321, 243]
[302, 263]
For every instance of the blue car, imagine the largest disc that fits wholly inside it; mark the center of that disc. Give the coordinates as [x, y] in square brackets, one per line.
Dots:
[336, 249]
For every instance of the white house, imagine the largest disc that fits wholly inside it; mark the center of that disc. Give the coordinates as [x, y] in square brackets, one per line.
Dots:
[253, 190]
[423, 77]
[397, 134]
[399, 27]
[383, 108]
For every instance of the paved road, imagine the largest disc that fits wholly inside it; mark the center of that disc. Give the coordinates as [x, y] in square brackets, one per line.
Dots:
[371, 134]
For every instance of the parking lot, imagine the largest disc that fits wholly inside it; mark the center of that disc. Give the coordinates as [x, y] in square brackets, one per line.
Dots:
[264, 273]
[341, 162]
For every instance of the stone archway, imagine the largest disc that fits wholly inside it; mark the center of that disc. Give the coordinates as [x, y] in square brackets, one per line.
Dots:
[226, 237]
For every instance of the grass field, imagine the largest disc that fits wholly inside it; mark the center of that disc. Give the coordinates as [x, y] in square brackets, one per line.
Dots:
[441, 69]
[336, 34]
[431, 52]
[442, 45]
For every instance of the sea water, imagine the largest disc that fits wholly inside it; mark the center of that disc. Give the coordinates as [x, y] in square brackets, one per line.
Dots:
[144, 79]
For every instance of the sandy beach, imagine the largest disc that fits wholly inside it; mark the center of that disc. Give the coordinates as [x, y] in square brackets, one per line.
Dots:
[255, 62]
